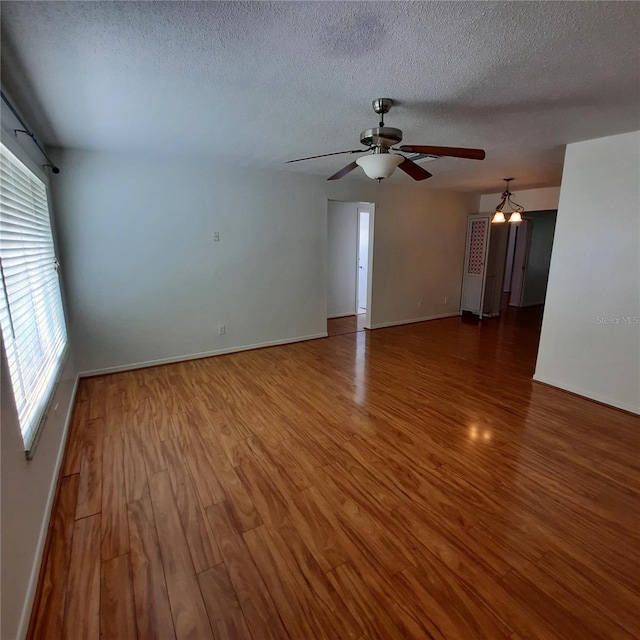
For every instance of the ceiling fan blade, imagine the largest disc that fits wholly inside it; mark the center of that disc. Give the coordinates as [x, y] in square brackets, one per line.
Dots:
[414, 170]
[324, 155]
[453, 152]
[343, 172]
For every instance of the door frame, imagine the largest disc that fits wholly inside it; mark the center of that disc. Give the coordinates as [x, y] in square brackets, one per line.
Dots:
[371, 206]
[362, 209]
[372, 224]
[523, 228]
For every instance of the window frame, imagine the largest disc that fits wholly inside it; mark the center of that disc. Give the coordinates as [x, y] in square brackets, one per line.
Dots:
[9, 140]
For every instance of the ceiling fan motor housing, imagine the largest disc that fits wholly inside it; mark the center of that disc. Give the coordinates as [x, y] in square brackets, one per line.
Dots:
[381, 137]
[382, 105]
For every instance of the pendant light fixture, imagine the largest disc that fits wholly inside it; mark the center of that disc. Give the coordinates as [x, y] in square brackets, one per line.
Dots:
[516, 209]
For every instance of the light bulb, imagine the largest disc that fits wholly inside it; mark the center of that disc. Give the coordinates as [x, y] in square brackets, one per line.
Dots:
[515, 217]
[498, 216]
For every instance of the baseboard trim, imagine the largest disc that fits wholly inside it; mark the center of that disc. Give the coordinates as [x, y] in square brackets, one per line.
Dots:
[341, 315]
[196, 356]
[589, 395]
[34, 578]
[395, 323]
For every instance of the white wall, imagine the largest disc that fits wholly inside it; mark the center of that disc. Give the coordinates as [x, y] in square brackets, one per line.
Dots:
[27, 486]
[590, 342]
[531, 199]
[28, 489]
[147, 282]
[418, 253]
[342, 254]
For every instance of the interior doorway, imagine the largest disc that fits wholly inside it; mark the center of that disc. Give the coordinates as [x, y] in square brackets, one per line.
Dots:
[349, 262]
[518, 266]
[528, 260]
[363, 260]
[506, 265]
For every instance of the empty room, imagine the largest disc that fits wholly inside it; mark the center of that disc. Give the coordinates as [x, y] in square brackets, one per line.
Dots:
[320, 320]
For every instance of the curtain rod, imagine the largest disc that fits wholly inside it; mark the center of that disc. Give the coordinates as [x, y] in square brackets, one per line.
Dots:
[26, 130]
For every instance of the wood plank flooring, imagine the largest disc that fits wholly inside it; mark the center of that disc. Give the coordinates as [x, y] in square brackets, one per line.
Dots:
[410, 482]
[346, 324]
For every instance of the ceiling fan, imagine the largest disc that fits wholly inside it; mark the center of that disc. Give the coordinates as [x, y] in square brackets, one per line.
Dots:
[384, 159]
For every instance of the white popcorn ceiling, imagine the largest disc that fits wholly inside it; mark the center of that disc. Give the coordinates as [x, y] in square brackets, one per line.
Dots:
[258, 83]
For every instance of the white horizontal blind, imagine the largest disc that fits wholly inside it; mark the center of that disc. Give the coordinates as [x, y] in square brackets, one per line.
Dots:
[31, 313]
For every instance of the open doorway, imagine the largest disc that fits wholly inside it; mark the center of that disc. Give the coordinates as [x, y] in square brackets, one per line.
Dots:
[363, 260]
[349, 253]
[528, 260]
[506, 266]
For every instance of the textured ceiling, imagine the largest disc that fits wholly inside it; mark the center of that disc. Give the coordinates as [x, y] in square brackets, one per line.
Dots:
[258, 83]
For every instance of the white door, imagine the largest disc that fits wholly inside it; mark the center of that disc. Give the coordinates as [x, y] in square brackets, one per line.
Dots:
[520, 256]
[363, 259]
[475, 264]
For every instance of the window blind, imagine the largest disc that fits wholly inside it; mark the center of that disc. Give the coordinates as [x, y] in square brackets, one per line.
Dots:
[31, 313]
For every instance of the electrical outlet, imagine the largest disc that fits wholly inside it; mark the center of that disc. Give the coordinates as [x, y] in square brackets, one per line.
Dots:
[216, 236]
[446, 300]
[419, 304]
[221, 329]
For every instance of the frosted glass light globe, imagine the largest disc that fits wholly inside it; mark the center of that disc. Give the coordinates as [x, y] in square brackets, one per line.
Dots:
[380, 165]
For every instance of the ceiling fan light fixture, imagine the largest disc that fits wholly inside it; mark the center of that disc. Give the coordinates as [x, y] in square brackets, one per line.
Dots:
[380, 165]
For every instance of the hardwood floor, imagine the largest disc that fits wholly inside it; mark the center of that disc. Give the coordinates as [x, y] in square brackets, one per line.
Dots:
[410, 482]
[346, 324]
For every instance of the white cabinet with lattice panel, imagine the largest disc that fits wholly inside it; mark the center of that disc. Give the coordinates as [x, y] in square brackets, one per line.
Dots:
[475, 264]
